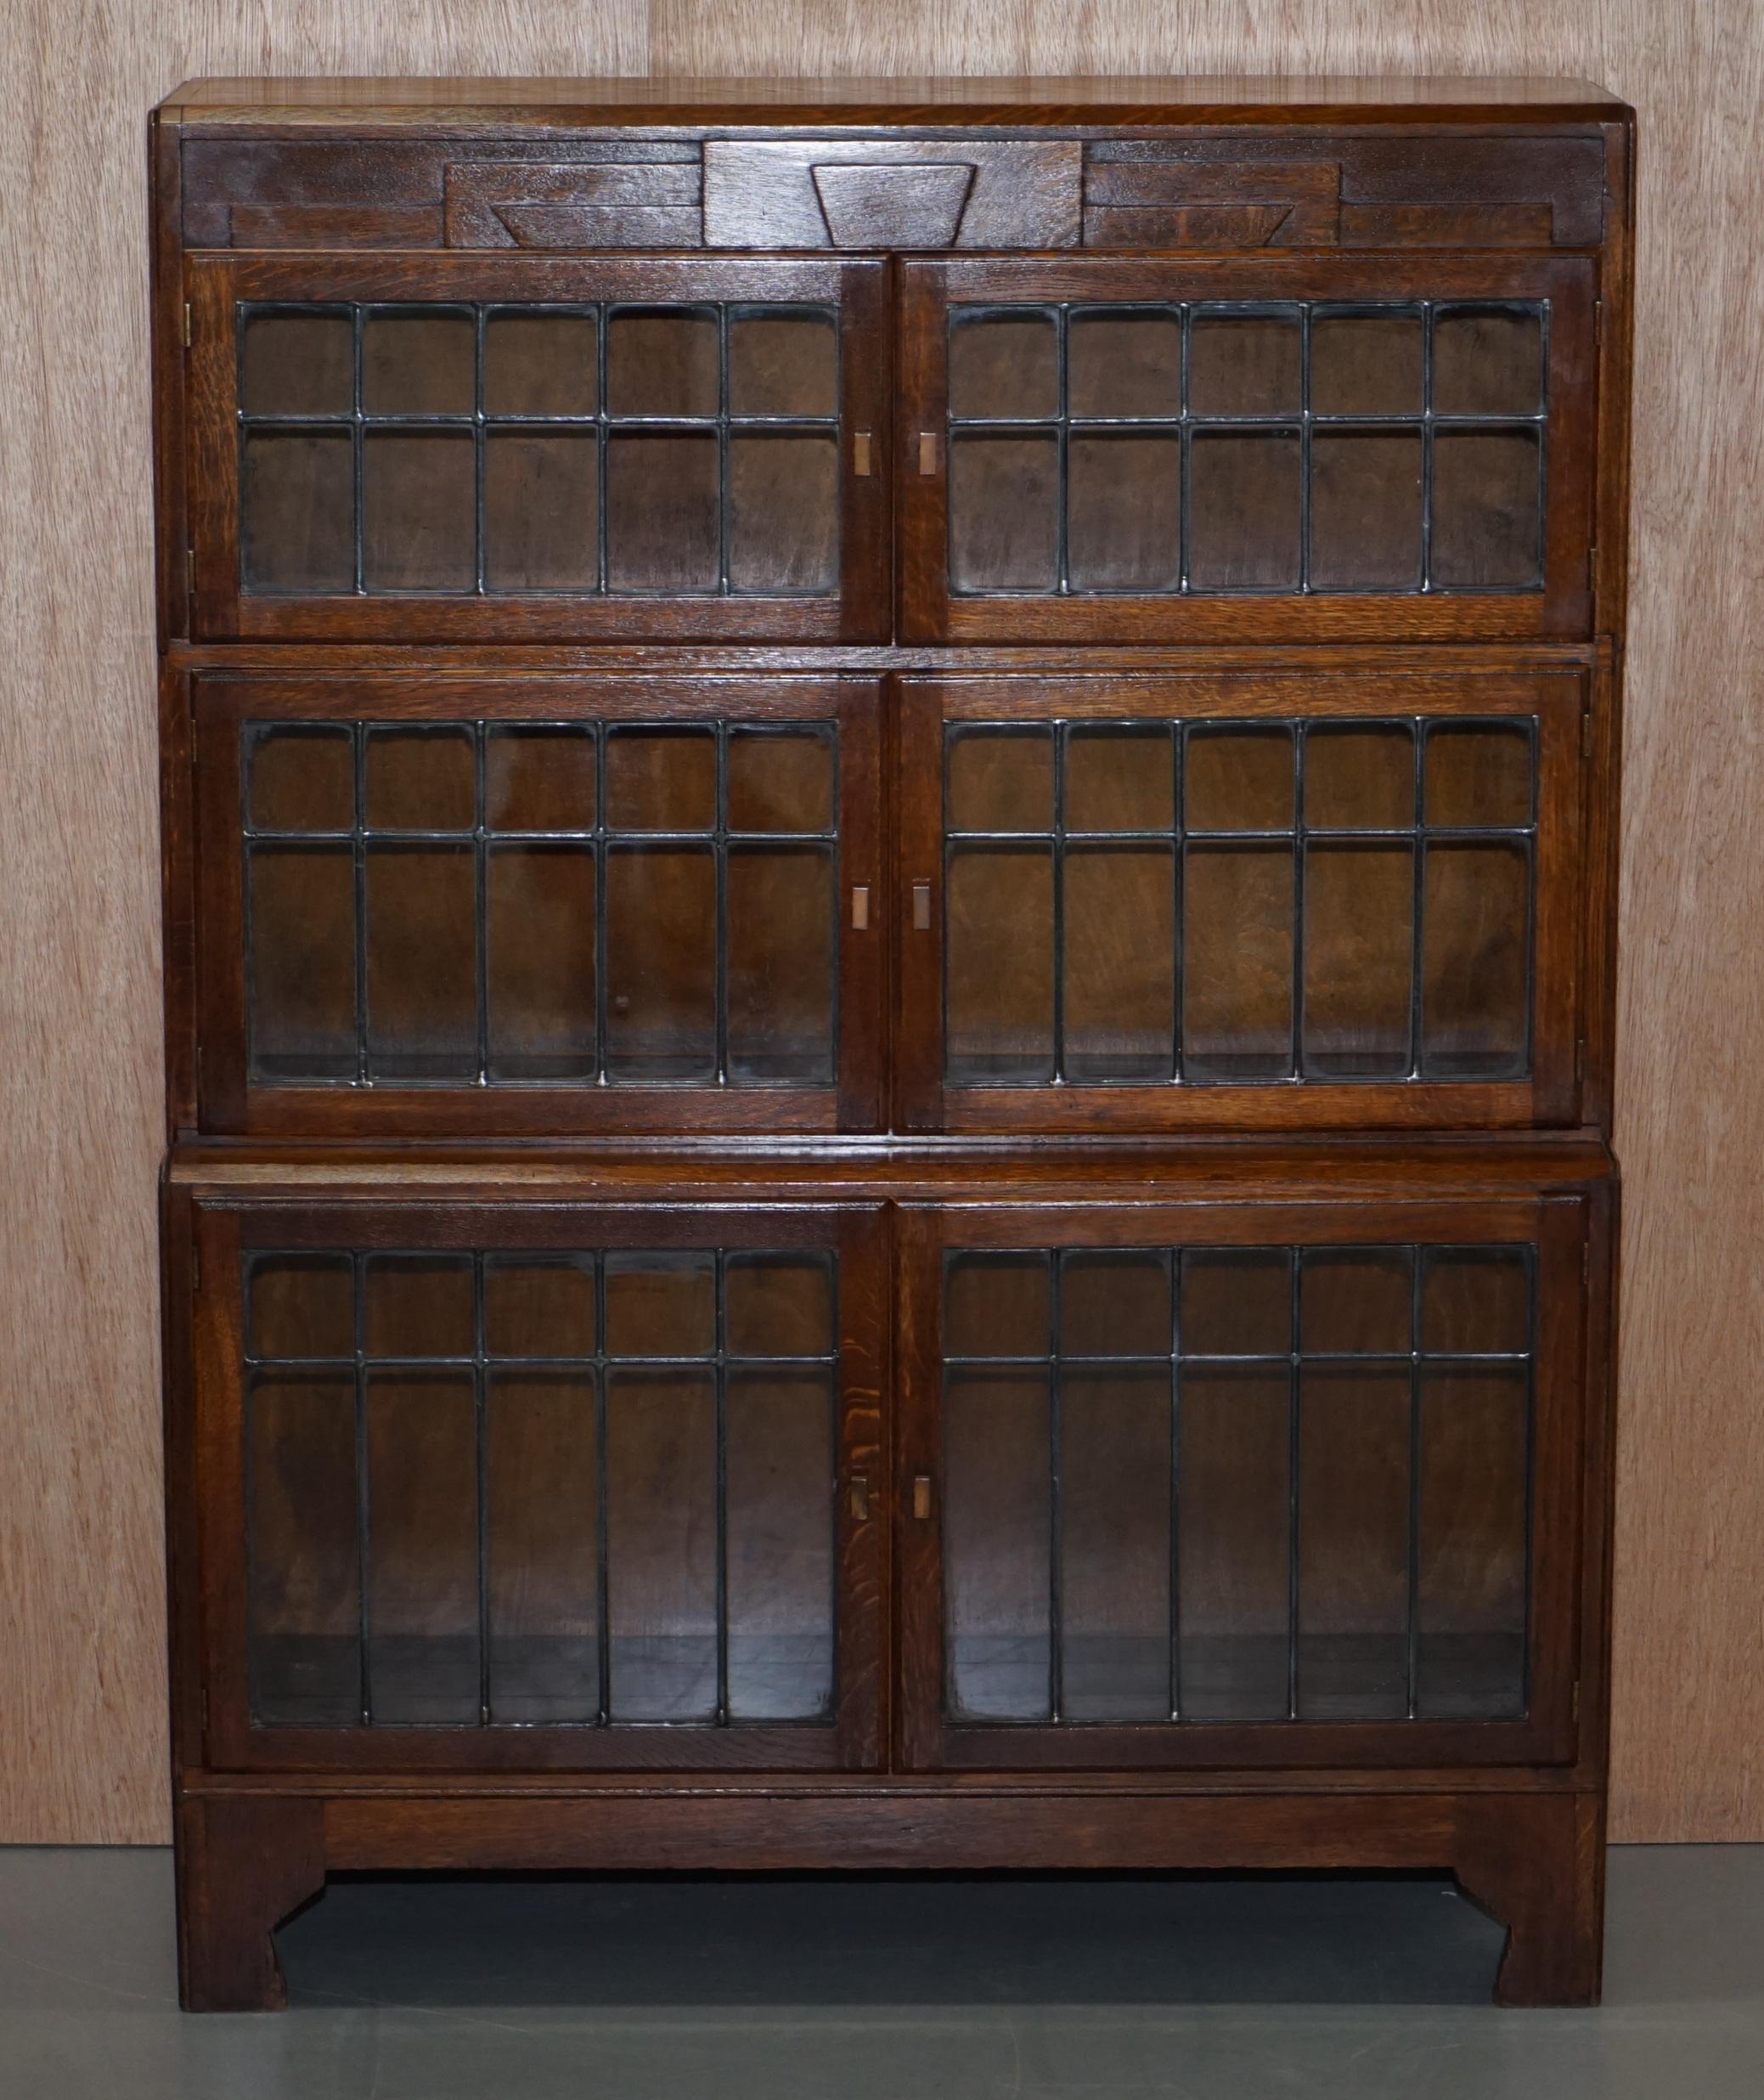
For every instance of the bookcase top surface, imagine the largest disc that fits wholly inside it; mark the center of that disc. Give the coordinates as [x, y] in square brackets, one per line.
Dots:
[553, 104]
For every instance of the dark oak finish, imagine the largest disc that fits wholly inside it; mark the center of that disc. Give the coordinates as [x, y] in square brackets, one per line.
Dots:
[843, 1197]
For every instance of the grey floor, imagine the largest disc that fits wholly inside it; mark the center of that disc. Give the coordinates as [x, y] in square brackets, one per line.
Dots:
[882, 1990]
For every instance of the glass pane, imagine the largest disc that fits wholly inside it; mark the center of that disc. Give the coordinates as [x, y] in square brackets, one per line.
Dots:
[1366, 502]
[1124, 365]
[1000, 780]
[1359, 959]
[783, 512]
[539, 779]
[1119, 962]
[297, 364]
[1471, 1647]
[1114, 1304]
[1487, 361]
[1365, 364]
[302, 960]
[541, 498]
[538, 1306]
[418, 1305]
[1360, 779]
[1475, 961]
[1120, 778]
[780, 1499]
[1124, 503]
[419, 532]
[1115, 1544]
[661, 362]
[1486, 528]
[418, 363]
[1358, 1300]
[304, 1580]
[422, 963]
[1237, 1301]
[780, 780]
[781, 963]
[421, 779]
[660, 1305]
[1476, 1301]
[302, 1305]
[661, 962]
[662, 1542]
[539, 364]
[1239, 780]
[539, 963]
[1237, 962]
[660, 780]
[997, 1510]
[1243, 512]
[1003, 365]
[998, 964]
[779, 1305]
[301, 778]
[996, 1305]
[1353, 1543]
[422, 1554]
[783, 363]
[542, 1525]
[1478, 773]
[1003, 512]
[1243, 365]
[297, 510]
[1233, 1528]
[663, 511]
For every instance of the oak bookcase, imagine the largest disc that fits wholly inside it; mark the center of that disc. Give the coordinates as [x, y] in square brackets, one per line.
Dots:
[889, 821]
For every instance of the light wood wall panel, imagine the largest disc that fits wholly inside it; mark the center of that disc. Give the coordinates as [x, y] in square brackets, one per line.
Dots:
[81, 1726]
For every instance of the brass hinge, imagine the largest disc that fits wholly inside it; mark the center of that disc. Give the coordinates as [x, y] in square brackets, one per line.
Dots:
[860, 454]
[186, 323]
[1598, 321]
[928, 452]
[1577, 1700]
[1587, 734]
[1580, 1060]
[189, 570]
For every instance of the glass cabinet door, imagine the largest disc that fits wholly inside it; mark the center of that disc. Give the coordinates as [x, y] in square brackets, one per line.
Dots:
[1222, 1485]
[532, 447]
[538, 904]
[1284, 900]
[1185, 450]
[550, 1489]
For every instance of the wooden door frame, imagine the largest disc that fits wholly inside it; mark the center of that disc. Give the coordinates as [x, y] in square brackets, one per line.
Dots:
[1562, 609]
[222, 1234]
[216, 283]
[1558, 699]
[1558, 1225]
[229, 1102]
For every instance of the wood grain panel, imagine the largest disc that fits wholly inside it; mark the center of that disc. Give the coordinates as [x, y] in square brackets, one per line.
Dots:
[1688, 1726]
[81, 1754]
[82, 1634]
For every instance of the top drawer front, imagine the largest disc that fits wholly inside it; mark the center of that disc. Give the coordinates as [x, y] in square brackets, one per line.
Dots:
[538, 450]
[1188, 187]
